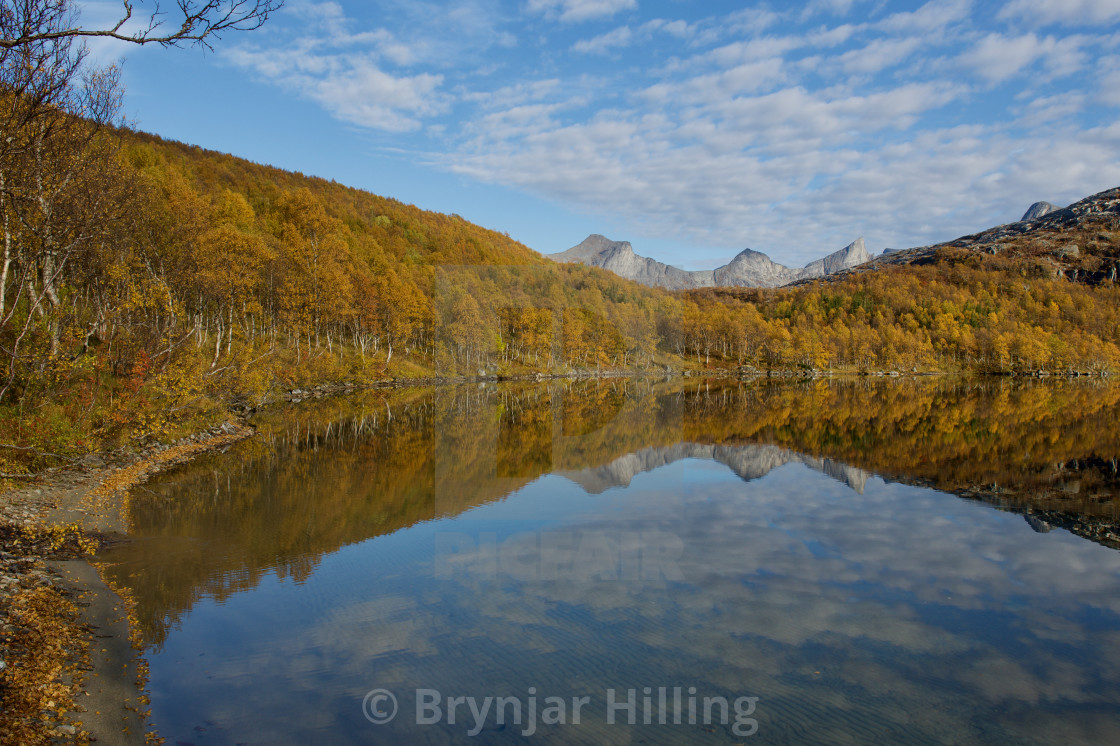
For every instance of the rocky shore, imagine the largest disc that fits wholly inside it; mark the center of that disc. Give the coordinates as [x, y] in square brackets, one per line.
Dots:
[69, 665]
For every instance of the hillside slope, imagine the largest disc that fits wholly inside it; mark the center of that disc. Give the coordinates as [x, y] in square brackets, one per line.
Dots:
[1080, 243]
[214, 283]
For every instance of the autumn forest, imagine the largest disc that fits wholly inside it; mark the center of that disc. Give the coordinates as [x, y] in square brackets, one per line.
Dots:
[148, 285]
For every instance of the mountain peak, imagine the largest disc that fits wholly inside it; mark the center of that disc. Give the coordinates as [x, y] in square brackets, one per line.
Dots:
[1037, 210]
[749, 268]
[593, 247]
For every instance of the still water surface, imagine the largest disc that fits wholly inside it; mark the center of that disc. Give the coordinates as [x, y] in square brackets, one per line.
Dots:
[570, 546]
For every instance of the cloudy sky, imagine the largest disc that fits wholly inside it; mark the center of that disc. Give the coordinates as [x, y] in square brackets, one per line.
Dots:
[691, 129]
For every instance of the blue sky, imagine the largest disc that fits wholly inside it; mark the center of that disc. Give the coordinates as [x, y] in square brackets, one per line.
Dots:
[691, 129]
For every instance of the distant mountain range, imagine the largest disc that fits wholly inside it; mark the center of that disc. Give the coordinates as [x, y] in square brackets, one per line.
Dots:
[748, 269]
[752, 268]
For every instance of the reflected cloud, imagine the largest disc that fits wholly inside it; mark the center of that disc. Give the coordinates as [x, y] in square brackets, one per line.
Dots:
[744, 539]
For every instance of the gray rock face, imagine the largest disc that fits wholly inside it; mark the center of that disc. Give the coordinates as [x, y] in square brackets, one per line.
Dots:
[753, 269]
[619, 257]
[1038, 209]
[748, 269]
[851, 255]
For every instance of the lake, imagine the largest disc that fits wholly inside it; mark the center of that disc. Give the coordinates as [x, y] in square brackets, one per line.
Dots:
[637, 560]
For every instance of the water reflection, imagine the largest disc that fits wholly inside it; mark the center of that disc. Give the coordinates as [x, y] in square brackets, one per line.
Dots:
[573, 538]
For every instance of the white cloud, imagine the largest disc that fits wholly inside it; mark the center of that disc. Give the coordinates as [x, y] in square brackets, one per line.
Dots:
[878, 55]
[605, 43]
[676, 28]
[1067, 56]
[580, 10]
[624, 36]
[798, 114]
[423, 33]
[997, 57]
[509, 97]
[1064, 12]
[348, 72]
[520, 122]
[751, 50]
[826, 38]
[717, 89]
[733, 171]
[354, 70]
[369, 97]
[749, 20]
[929, 18]
[830, 7]
[1049, 109]
[737, 145]
[1108, 89]
[325, 15]
[719, 170]
[759, 47]
[741, 23]
[350, 87]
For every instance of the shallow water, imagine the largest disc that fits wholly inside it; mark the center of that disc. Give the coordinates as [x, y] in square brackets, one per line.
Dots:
[629, 549]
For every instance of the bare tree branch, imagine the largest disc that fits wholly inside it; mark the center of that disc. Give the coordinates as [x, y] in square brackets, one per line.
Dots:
[197, 22]
[37, 452]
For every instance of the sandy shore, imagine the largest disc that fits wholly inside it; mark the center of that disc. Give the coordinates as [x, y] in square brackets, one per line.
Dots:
[55, 608]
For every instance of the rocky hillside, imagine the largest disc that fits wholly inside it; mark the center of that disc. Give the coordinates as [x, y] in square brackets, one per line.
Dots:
[1080, 243]
[748, 269]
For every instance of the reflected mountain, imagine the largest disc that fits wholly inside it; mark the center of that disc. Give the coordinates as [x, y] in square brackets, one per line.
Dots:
[748, 462]
[331, 473]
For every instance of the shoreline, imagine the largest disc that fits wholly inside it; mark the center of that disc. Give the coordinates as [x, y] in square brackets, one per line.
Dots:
[54, 522]
[51, 524]
[94, 688]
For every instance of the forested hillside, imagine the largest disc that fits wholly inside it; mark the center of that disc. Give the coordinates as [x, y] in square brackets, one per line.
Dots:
[178, 282]
[148, 286]
[166, 283]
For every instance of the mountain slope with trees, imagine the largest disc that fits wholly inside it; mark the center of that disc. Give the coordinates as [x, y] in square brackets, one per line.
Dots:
[148, 286]
[212, 282]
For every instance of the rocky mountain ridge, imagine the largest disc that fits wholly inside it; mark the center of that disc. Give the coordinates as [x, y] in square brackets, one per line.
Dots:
[749, 268]
[1079, 243]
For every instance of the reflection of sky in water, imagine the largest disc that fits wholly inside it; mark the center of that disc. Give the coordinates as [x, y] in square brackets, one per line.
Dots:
[900, 614]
